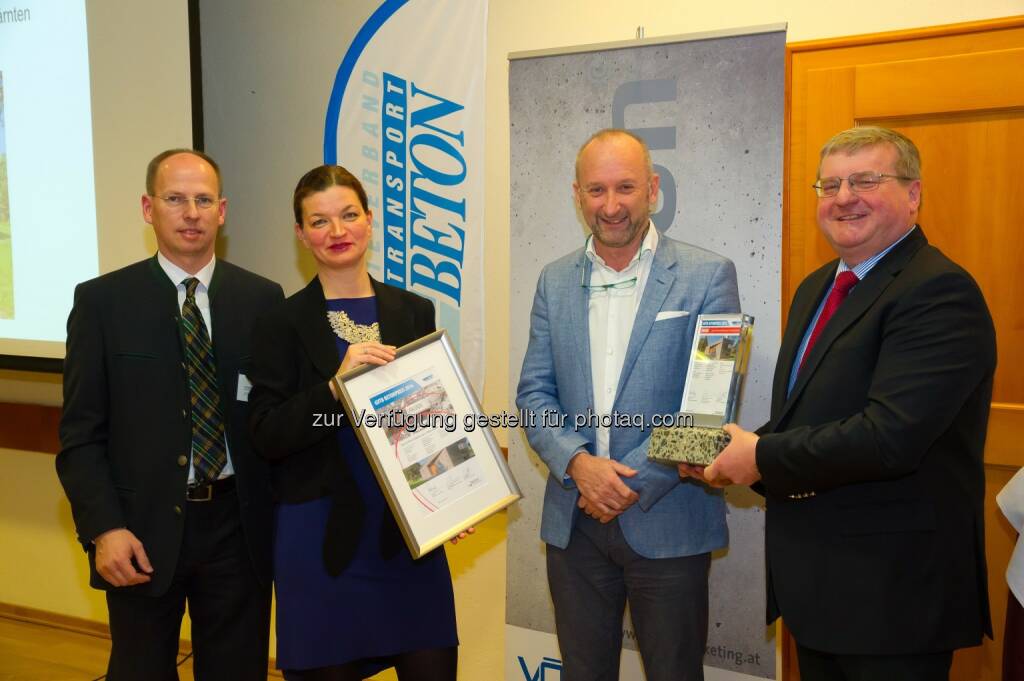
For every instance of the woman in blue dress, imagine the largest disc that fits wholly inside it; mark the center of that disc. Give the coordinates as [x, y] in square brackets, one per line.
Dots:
[351, 601]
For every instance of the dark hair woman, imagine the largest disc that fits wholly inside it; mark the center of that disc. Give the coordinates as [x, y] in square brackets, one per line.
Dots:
[350, 599]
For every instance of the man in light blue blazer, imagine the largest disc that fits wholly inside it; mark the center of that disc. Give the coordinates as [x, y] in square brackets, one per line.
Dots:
[610, 334]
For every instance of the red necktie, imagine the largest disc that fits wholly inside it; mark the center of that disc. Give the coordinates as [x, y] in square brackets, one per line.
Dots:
[840, 289]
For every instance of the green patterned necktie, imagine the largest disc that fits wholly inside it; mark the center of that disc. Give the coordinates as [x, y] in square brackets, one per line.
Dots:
[208, 452]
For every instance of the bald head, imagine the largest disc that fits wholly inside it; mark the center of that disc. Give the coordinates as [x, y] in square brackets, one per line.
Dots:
[615, 190]
[620, 136]
[153, 169]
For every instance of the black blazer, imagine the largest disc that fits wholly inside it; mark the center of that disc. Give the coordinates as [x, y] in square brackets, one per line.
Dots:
[872, 466]
[294, 357]
[126, 423]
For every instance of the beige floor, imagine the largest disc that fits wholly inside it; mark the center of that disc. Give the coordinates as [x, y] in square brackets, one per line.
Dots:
[31, 652]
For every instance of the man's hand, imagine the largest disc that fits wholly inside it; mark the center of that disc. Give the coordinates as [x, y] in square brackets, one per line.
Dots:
[600, 483]
[115, 550]
[737, 463]
[597, 511]
[689, 470]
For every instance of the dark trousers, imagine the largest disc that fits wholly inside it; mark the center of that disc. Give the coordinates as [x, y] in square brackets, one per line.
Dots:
[819, 666]
[229, 608]
[591, 581]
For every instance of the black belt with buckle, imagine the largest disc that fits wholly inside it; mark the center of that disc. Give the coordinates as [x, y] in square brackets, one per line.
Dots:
[210, 490]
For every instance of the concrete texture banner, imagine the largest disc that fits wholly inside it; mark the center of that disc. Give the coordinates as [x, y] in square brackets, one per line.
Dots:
[710, 107]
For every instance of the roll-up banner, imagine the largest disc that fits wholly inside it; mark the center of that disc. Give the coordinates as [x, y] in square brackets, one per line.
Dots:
[406, 116]
[710, 107]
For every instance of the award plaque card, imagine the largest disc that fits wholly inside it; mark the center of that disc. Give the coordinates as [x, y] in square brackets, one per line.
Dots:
[711, 396]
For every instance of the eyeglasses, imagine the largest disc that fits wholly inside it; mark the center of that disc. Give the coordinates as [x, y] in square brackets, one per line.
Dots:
[181, 202]
[860, 183]
[615, 286]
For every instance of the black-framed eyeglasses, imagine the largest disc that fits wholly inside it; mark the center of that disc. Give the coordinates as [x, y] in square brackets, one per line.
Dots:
[860, 183]
[180, 201]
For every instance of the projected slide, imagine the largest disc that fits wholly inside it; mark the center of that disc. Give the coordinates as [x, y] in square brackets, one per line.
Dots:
[47, 198]
[6, 271]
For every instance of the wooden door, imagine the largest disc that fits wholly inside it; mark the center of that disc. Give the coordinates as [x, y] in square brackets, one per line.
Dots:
[958, 92]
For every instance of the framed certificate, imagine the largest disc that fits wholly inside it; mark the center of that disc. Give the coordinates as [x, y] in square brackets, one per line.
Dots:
[428, 442]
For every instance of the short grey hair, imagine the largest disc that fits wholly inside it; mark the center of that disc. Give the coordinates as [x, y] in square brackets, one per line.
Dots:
[908, 158]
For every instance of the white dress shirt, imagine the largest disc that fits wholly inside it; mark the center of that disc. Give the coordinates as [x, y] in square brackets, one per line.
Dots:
[611, 316]
[205, 276]
[1011, 503]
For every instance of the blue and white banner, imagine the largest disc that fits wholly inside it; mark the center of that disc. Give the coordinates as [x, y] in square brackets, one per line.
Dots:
[406, 116]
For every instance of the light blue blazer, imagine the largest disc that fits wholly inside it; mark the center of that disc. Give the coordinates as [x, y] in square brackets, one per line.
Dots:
[672, 518]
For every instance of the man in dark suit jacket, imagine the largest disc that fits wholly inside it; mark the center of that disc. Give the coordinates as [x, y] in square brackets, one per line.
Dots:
[161, 524]
[871, 464]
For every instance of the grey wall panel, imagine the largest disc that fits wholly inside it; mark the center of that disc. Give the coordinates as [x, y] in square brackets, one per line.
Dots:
[268, 69]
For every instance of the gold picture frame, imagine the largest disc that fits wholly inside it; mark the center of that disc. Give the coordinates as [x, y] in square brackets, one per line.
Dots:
[428, 442]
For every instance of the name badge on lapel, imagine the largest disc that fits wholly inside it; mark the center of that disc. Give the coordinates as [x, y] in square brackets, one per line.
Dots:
[244, 387]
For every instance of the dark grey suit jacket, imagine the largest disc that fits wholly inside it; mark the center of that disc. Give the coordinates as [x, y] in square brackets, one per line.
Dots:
[872, 466]
[126, 421]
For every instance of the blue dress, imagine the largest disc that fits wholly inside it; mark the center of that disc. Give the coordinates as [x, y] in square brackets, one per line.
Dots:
[376, 607]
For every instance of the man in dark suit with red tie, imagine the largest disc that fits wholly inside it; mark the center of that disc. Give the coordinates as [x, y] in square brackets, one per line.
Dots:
[168, 499]
[871, 464]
